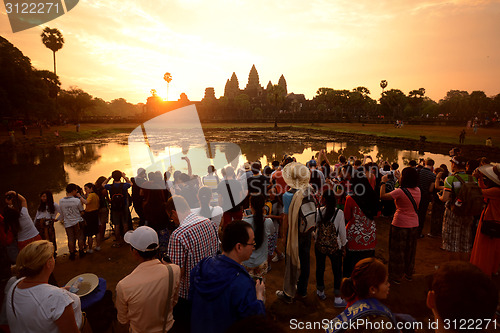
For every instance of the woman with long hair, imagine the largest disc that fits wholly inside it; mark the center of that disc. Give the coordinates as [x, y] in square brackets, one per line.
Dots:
[214, 213]
[33, 304]
[330, 242]
[45, 217]
[91, 217]
[438, 207]
[404, 227]
[361, 207]
[103, 195]
[18, 220]
[257, 265]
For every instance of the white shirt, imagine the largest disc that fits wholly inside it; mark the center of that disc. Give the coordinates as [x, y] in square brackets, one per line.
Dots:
[70, 211]
[46, 215]
[27, 230]
[216, 215]
[37, 308]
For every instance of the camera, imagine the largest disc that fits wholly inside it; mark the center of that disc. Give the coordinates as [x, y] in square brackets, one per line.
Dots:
[10, 196]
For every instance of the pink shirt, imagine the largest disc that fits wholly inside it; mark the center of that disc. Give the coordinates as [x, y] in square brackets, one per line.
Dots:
[141, 296]
[405, 216]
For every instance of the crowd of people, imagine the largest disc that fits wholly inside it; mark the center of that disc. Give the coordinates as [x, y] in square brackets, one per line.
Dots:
[204, 245]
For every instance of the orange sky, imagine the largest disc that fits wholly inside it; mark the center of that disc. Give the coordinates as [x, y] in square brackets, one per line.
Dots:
[122, 48]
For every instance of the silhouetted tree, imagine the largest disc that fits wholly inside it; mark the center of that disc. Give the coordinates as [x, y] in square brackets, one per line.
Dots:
[53, 40]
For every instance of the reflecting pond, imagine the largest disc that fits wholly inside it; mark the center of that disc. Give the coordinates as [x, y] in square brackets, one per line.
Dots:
[32, 171]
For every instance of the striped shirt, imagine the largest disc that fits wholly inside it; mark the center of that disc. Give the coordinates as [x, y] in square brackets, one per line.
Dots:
[195, 239]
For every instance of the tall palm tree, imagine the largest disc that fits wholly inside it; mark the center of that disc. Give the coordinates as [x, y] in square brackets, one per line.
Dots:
[167, 77]
[383, 84]
[52, 39]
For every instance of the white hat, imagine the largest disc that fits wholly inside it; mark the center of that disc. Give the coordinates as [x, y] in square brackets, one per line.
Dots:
[491, 171]
[141, 238]
[296, 175]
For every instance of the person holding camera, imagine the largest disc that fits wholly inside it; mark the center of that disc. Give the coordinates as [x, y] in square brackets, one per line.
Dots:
[18, 220]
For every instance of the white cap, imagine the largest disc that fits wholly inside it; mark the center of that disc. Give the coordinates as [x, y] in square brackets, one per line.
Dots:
[141, 238]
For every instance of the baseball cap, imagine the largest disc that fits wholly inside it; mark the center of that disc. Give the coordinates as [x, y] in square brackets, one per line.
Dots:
[142, 238]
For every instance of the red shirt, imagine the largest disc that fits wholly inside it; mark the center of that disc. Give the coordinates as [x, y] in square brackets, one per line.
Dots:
[361, 231]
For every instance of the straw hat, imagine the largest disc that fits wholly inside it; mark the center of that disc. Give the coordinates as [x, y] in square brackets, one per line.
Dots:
[491, 171]
[296, 175]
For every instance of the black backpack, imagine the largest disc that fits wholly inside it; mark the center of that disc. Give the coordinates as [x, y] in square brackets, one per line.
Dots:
[117, 197]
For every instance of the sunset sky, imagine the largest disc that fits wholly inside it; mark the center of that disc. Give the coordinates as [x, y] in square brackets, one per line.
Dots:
[122, 48]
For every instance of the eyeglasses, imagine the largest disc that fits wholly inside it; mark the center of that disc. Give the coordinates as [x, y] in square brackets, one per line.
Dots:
[251, 244]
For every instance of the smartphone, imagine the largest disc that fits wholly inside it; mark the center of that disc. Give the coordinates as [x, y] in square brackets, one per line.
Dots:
[248, 212]
[256, 278]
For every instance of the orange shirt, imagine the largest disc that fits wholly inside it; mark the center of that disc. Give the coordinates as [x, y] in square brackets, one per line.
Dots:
[141, 297]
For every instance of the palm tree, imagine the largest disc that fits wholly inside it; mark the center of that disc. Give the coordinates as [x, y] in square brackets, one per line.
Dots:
[52, 39]
[167, 77]
[383, 84]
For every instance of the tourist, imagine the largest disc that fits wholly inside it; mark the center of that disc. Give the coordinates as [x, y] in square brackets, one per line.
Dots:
[33, 304]
[438, 206]
[461, 138]
[257, 184]
[91, 217]
[103, 209]
[404, 227]
[231, 194]
[360, 209]
[257, 264]
[330, 241]
[146, 297]
[222, 291]
[369, 279]
[317, 178]
[456, 228]
[426, 182]
[18, 220]
[367, 286]
[71, 208]
[461, 293]
[486, 250]
[211, 180]
[213, 213]
[46, 214]
[118, 193]
[299, 199]
[137, 198]
[194, 239]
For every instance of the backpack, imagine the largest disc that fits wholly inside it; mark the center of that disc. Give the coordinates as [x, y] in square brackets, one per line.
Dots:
[307, 211]
[469, 201]
[326, 235]
[117, 198]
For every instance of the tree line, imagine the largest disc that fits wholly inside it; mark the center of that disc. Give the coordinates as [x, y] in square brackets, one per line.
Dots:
[29, 93]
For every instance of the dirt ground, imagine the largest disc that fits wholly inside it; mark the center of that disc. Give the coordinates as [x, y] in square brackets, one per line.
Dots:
[409, 297]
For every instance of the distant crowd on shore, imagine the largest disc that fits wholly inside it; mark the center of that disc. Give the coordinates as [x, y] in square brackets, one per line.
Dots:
[205, 244]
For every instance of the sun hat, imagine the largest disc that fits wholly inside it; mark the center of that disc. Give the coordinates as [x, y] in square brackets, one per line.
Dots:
[296, 175]
[142, 238]
[491, 171]
[459, 160]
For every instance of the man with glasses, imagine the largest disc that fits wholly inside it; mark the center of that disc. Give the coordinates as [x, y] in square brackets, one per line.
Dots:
[222, 292]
